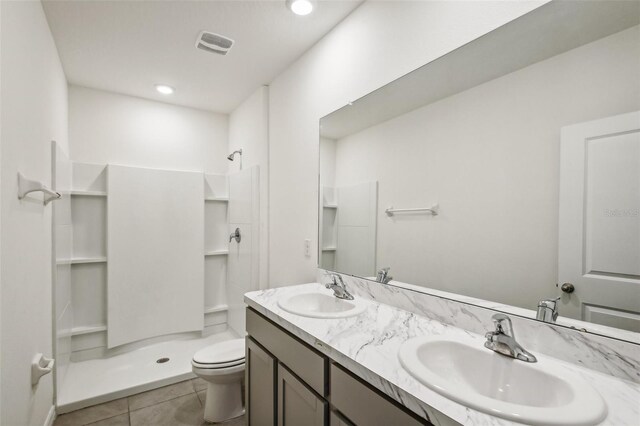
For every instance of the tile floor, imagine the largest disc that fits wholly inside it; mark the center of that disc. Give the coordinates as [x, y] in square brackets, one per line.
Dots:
[181, 404]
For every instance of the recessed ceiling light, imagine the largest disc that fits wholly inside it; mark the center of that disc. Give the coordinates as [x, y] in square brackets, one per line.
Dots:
[300, 7]
[164, 89]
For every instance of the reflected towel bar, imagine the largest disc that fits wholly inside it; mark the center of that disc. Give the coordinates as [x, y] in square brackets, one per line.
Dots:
[433, 210]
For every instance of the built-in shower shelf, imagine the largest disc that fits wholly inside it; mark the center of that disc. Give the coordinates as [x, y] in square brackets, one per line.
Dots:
[329, 248]
[214, 309]
[217, 253]
[81, 193]
[330, 206]
[79, 260]
[218, 199]
[77, 331]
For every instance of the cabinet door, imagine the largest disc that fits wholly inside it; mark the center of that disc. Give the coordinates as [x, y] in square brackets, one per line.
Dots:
[261, 389]
[297, 404]
[336, 419]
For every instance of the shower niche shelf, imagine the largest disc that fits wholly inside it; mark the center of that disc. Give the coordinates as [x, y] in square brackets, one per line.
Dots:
[215, 309]
[78, 331]
[82, 260]
[216, 234]
[217, 253]
[329, 226]
[83, 193]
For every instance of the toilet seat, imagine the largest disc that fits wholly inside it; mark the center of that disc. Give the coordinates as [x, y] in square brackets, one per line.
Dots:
[221, 355]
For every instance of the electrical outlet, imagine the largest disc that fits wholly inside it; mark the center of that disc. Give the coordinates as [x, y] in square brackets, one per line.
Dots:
[307, 248]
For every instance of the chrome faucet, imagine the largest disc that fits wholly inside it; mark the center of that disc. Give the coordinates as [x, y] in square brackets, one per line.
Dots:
[338, 287]
[503, 340]
[383, 276]
[548, 310]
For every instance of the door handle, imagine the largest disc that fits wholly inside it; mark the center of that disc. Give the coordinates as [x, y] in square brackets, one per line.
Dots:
[567, 288]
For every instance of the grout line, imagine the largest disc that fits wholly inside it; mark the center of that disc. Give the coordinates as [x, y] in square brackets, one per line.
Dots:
[106, 418]
[162, 402]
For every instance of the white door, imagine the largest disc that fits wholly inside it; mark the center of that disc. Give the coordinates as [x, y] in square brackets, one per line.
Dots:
[599, 228]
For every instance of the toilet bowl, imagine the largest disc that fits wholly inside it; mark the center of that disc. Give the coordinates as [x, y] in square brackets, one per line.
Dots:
[221, 365]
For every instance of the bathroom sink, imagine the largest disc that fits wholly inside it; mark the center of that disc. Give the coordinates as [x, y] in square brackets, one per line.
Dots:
[534, 393]
[320, 305]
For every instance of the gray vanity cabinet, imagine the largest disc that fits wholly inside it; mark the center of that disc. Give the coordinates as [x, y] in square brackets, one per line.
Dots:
[289, 383]
[298, 405]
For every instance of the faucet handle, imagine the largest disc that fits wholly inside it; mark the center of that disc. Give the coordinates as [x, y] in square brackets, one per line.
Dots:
[503, 324]
[334, 279]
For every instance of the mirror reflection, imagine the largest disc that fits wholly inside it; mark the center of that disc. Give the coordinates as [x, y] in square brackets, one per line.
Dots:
[511, 175]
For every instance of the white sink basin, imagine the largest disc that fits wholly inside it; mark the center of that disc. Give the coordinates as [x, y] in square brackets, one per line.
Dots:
[534, 393]
[320, 305]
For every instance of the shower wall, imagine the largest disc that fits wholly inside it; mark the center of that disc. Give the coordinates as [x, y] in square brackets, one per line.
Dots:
[62, 252]
[155, 246]
[243, 260]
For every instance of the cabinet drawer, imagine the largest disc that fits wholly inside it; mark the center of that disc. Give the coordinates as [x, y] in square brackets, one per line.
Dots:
[306, 363]
[364, 406]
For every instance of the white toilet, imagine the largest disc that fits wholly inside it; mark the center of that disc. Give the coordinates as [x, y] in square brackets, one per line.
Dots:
[222, 366]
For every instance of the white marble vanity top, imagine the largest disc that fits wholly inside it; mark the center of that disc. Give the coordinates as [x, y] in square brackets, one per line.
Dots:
[368, 346]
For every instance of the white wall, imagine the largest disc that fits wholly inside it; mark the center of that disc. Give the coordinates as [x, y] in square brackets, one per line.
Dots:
[378, 42]
[107, 127]
[34, 112]
[249, 130]
[490, 156]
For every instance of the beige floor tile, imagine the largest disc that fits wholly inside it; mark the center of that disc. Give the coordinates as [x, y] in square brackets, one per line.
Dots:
[93, 414]
[182, 411]
[156, 396]
[121, 420]
[238, 421]
[203, 396]
[199, 384]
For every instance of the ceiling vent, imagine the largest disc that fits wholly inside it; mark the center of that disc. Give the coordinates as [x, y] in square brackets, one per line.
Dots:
[215, 43]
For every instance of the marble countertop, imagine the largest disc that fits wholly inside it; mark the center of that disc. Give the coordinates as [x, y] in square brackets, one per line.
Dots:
[368, 346]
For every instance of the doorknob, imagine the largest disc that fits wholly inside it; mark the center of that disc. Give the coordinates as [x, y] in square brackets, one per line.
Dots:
[235, 236]
[567, 288]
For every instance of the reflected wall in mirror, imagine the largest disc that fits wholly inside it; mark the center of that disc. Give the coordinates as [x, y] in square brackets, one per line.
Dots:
[528, 140]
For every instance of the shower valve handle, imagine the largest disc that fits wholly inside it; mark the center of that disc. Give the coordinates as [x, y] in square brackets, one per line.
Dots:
[236, 235]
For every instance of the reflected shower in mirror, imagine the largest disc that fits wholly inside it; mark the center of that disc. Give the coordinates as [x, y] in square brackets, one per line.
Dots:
[500, 171]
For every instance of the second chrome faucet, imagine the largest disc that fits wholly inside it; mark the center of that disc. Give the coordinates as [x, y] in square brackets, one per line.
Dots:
[503, 340]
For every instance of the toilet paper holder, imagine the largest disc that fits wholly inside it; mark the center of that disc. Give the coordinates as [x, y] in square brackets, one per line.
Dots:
[39, 367]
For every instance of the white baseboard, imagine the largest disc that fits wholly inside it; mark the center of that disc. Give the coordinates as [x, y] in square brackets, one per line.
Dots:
[51, 417]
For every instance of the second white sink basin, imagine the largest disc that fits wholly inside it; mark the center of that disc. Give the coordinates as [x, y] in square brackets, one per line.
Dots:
[320, 305]
[542, 393]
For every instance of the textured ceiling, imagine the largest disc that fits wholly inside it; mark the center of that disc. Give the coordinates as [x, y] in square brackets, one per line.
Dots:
[129, 46]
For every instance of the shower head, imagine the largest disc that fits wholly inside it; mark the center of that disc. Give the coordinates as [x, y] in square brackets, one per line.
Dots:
[230, 156]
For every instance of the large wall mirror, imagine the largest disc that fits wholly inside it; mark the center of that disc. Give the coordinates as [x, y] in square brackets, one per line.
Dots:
[500, 171]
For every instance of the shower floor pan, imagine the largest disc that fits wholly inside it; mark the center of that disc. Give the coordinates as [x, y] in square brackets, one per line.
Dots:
[97, 381]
